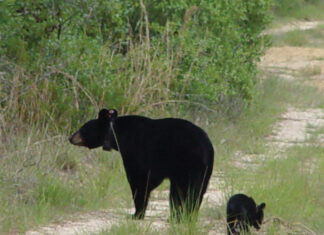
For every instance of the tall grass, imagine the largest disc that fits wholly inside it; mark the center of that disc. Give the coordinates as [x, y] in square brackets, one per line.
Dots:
[143, 83]
[44, 178]
[130, 227]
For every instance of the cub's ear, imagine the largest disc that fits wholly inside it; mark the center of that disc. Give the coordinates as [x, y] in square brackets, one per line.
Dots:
[109, 115]
[261, 206]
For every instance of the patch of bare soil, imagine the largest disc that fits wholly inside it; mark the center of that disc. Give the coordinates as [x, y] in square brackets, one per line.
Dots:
[293, 58]
[295, 127]
[295, 62]
[297, 25]
[85, 224]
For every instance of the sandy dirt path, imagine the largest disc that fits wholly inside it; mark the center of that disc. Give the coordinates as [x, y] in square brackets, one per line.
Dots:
[296, 25]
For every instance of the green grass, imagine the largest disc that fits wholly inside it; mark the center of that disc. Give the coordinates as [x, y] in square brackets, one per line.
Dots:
[310, 71]
[36, 187]
[288, 10]
[291, 187]
[146, 228]
[45, 179]
[301, 38]
[316, 135]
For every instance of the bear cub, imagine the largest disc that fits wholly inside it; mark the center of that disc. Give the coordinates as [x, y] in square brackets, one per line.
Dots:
[242, 212]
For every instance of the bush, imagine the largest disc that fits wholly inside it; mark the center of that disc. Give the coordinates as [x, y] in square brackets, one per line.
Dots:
[131, 55]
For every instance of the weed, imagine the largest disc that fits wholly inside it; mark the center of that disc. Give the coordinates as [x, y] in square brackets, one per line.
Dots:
[310, 71]
[130, 227]
[301, 38]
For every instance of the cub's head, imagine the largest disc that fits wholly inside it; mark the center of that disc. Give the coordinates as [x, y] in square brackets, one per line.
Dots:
[96, 132]
[259, 215]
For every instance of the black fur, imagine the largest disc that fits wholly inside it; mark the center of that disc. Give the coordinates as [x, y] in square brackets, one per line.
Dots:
[153, 150]
[242, 212]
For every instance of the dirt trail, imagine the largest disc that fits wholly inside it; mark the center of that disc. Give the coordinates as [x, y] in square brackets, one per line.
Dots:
[295, 62]
[293, 128]
[88, 223]
[296, 25]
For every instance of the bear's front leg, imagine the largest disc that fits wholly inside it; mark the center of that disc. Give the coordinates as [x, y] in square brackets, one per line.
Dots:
[231, 222]
[141, 183]
[140, 197]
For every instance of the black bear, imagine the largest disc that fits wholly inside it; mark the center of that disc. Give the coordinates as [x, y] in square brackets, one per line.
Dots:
[242, 212]
[153, 150]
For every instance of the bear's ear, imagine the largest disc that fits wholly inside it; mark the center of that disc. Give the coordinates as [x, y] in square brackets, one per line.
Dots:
[261, 206]
[113, 113]
[105, 114]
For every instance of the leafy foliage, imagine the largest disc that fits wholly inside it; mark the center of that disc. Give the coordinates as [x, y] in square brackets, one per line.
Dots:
[129, 54]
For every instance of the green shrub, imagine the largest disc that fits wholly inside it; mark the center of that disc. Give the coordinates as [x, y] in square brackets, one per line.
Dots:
[129, 55]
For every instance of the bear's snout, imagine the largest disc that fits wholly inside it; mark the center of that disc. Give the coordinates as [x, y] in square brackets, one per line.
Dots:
[76, 139]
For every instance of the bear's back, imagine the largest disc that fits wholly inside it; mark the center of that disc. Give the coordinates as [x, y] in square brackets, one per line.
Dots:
[174, 128]
[160, 142]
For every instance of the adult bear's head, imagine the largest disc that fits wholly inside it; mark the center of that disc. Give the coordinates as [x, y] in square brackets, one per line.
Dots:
[96, 132]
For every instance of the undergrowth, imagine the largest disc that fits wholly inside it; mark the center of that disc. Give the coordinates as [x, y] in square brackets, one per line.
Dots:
[62, 60]
[47, 179]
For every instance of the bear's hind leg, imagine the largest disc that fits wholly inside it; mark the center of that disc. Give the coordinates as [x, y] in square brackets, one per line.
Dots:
[175, 201]
[184, 201]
